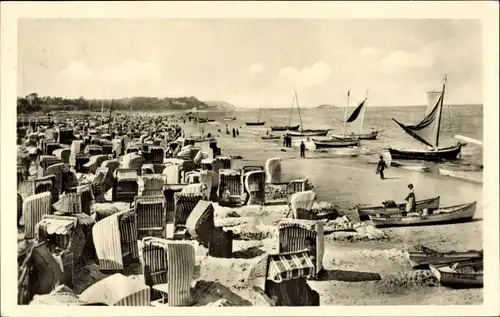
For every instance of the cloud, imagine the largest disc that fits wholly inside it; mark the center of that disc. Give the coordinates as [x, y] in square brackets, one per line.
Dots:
[368, 50]
[400, 59]
[256, 68]
[314, 75]
[131, 77]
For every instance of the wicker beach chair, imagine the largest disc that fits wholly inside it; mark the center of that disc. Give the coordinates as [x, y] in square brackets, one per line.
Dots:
[200, 222]
[273, 170]
[281, 280]
[301, 201]
[50, 147]
[63, 154]
[296, 186]
[192, 177]
[232, 179]
[292, 234]
[184, 205]
[151, 185]
[69, 234]
[118, 290]
[169, 191]
[95, 162]
[126, 186]
[34, 208]
[150, 211]
[115, 237]
[255, 187]
[39, 274]
[44, 161]
[86, 196]
[156, 154]
[168, 268]
[58, 171]
[92, 149]
[43, 184]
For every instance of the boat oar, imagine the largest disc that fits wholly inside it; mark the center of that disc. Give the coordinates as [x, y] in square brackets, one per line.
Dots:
[470, 140]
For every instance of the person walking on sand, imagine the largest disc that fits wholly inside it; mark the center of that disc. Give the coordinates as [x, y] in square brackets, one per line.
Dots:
[234, 132]
[381, 166]
[410, 201]
[302, 149]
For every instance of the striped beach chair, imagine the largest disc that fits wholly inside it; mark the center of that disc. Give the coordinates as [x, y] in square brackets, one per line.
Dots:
[69, 234]
[201, 222]
[115, 237]
[206, 164]
[93, 149]
[282, 279]
[50, 147]
[184, 205]
[150, 211]
[255, 187]
[232, 179]
[156, 154]
[118, 290]
[225, 162]
[192, 177]
[168, 268]
[43, 184]
[211, 180]
[107, 147]
[86, 197]
[147, 169]
[292, 234]
[69, 204]
[95, 162]
[34, 207]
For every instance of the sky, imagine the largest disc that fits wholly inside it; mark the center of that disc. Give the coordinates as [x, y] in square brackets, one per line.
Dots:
[253, 62]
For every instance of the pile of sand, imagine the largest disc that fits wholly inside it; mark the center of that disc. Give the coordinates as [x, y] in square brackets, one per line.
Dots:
[395, 283]
[247, 228]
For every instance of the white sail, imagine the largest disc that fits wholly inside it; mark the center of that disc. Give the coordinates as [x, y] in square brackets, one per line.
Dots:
[432, 98]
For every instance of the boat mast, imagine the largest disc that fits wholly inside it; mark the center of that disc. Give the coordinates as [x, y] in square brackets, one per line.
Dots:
[290, 116]
[298, 109]
[345, 116]
[363, 114]
[441, 111]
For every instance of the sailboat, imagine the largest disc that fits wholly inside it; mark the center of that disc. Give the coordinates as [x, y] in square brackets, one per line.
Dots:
[251, 123]
[427, 132]
[361, 108]
[338, 142]
[288, 127]
[306, 132]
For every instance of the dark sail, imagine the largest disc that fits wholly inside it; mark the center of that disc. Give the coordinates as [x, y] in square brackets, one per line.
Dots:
[427, 131]
[356, 112]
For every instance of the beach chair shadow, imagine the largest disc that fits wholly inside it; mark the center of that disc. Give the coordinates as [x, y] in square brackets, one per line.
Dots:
[347, 276]
[249, 253]
[386, 178]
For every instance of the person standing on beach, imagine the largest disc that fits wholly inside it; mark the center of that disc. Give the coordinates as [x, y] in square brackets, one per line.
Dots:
[302, 149]
[410, 201]
[381, 166]
[234, 132]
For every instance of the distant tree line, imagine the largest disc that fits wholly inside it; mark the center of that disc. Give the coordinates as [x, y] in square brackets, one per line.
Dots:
[35, 103]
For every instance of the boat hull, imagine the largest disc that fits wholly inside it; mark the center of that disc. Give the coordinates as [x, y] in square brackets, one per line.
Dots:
[229, 118]
[457, 279]
[459, 213]
[285, 128]
[255, 123]
[361, 136]
[422, 260]
[365, 212]
[308, 133]
[448, 153]
[335, 144]
[270, 137]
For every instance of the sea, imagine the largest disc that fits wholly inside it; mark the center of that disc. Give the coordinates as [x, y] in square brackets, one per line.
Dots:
[466, 120]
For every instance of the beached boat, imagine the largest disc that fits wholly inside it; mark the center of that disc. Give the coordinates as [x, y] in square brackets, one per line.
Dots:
[427, 133]
[372, 135]
[471, 176]
[256, 123]
[459, 275]
[335, 143]
[420, 257]
[365, 212]
[458, 213]
[284, 128]
[228, 118]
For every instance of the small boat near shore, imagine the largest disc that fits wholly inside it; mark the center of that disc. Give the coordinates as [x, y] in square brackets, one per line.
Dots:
[228, 118]
[335, 143]
[459, 275]
[365, 212]
[458, 213]
[309, 132]
[270, 137]
[285, 128]
[362, 136]
[420, 257]
[256, 123]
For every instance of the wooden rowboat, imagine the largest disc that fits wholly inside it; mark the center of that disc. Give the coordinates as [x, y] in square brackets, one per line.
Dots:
[309, 132]
[459, 275]
[421, 257]
[270, 137]
[285, 128]
[365, 212]
[458, 213]
[335, 143]
[362, 136]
